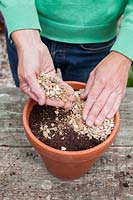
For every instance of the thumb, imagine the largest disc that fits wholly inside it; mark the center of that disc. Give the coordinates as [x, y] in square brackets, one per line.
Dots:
[89, 85]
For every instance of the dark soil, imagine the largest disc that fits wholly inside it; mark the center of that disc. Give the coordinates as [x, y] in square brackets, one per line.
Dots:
[64, 136]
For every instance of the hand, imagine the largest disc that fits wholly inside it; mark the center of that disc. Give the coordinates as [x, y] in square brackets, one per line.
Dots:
[105, 88]
[34, 58]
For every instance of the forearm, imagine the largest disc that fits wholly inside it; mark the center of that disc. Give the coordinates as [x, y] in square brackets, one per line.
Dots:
[124, 40]
[121, 59]
[26, 38]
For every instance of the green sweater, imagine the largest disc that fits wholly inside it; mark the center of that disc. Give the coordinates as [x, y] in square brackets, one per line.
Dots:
[80, 21]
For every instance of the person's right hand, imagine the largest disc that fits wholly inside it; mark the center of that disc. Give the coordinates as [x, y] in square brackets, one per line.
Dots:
[34, 58]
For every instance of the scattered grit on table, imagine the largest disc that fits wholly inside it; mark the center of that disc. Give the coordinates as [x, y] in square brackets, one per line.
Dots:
[64, 129]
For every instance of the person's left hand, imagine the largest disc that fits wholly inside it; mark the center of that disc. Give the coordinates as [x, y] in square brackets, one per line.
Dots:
[105, 88]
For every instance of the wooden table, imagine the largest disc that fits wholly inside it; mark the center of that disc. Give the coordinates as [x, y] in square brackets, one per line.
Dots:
[23, 175]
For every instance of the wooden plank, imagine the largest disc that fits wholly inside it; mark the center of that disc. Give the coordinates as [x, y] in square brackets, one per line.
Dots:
[11, 128]
[23, 176]
[125, 135]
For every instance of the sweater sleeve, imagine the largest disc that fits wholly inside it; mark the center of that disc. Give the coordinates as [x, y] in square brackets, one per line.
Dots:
[124, 42]
[19, 15]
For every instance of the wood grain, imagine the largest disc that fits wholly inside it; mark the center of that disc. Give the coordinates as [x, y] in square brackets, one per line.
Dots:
[23, 175]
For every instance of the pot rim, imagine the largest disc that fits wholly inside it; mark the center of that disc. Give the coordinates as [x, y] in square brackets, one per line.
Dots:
[69, 153]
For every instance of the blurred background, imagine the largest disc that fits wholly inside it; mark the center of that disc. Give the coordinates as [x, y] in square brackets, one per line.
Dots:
[5, 74]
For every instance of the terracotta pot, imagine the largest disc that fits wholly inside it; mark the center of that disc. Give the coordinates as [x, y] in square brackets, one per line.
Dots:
[67, 165]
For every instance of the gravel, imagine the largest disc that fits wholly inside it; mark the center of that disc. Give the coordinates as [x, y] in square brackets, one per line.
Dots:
[74, 118]
[54, 88]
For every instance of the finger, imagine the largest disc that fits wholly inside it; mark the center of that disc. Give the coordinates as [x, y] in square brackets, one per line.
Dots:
[25, 88]
[54, 103]
[115, 107]
[68, 104]
[36, 89]
[107, 107]
[97, 106]
[70, 97]
[62, 104]
[92, 96]
[89, 85]
[100, 104]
